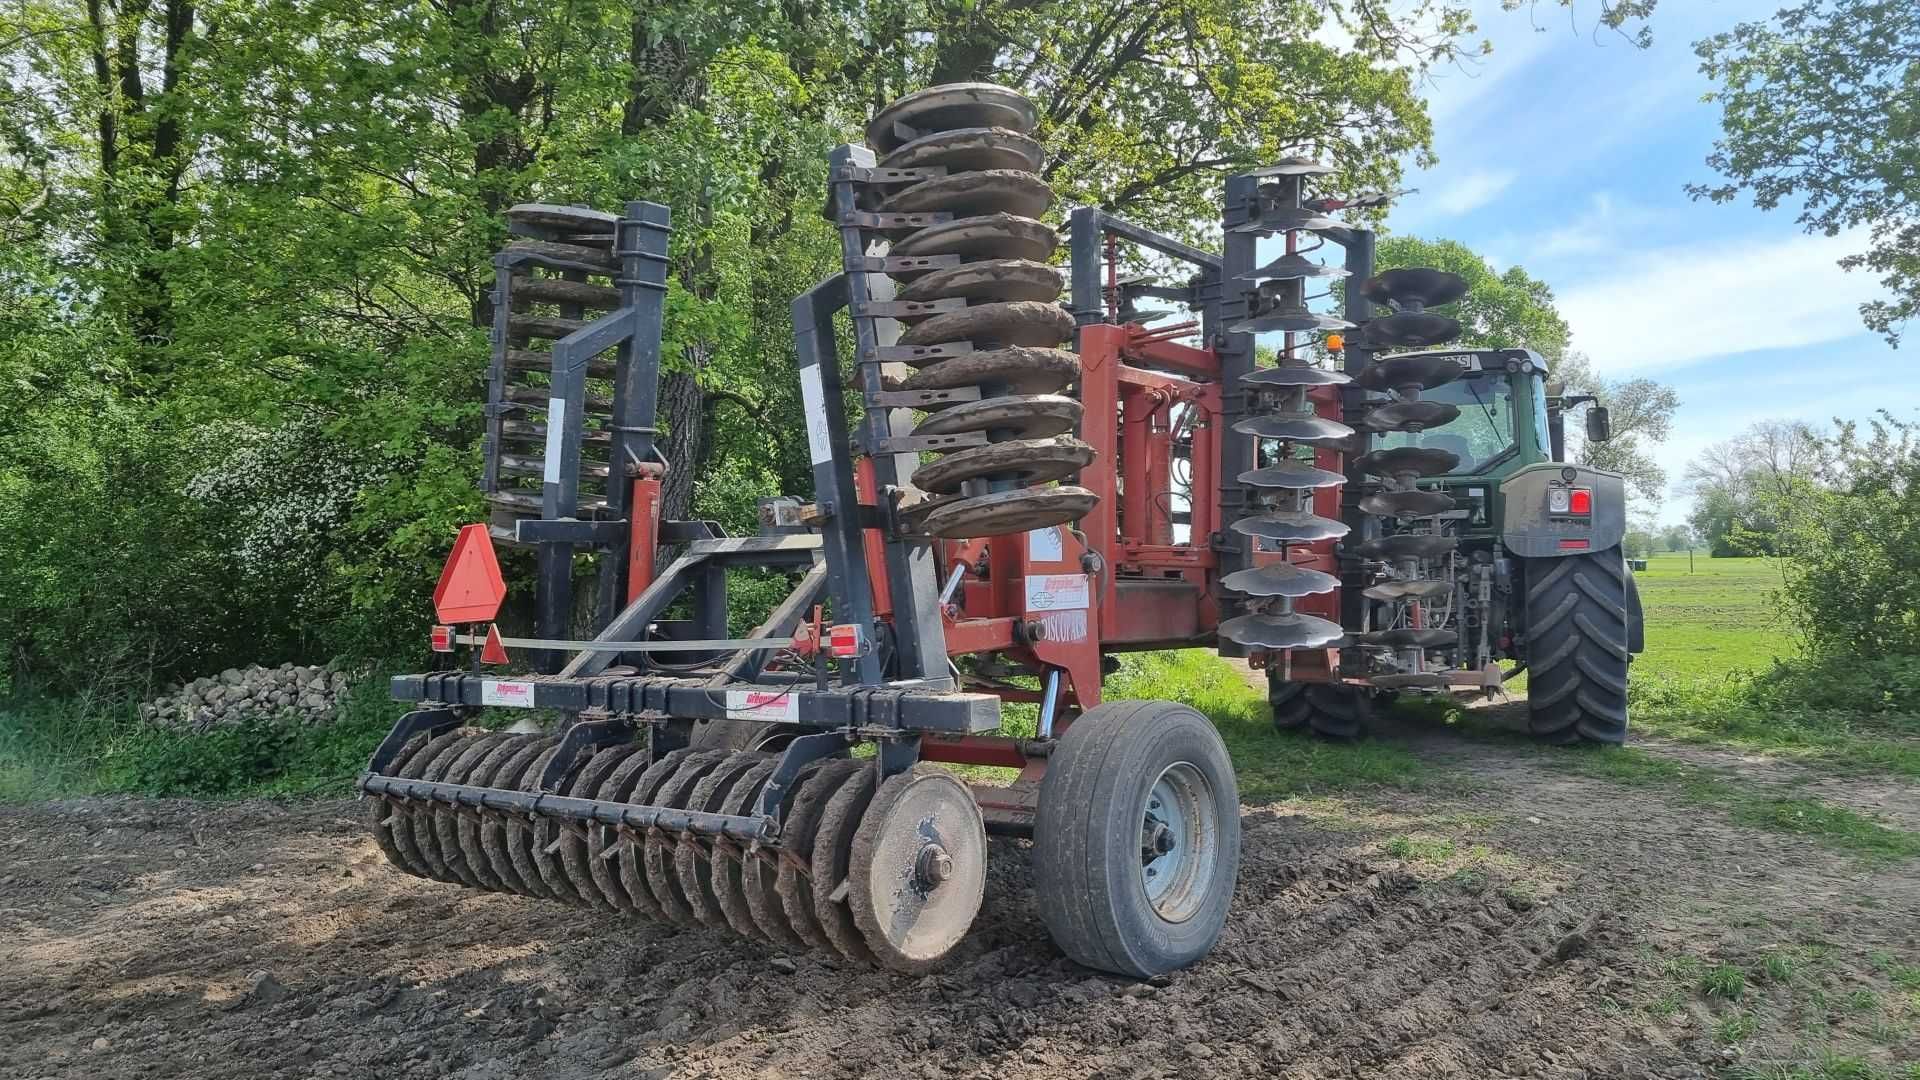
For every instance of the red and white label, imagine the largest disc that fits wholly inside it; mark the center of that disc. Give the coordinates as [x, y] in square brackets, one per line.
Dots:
[762, 705]
[1057, 592]
[508, 695]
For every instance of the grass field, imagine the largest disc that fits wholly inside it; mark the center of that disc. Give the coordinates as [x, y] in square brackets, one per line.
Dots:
[1708, 617]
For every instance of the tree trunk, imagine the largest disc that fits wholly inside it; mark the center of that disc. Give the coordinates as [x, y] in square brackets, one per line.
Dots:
[683, 414]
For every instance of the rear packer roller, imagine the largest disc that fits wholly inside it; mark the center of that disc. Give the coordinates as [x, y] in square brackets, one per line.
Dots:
[879, 873]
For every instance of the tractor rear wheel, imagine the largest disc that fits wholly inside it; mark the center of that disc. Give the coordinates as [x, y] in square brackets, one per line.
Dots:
[1577, 642]
[1137, 840]
[1338, 712]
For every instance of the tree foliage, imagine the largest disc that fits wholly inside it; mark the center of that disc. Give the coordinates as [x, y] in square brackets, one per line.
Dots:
[1740, 486]
[245, 254]
[1640, 412]
[1851, 535]
[1820, 109]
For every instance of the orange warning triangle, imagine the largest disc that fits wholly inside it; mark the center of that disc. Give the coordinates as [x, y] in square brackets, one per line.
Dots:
[471, 587]
[494, 651]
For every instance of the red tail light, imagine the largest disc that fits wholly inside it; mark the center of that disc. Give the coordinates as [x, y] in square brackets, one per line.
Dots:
[1581, 501]
[442, 639]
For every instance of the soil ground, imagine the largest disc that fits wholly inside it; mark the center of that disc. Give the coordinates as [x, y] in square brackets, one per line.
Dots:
[1509, 919]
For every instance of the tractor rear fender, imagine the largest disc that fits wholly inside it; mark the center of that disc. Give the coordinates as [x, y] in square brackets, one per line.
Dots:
[1539, 507]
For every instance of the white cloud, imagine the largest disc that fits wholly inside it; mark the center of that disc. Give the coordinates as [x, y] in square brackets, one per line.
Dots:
[1665, 308]
[1466, 193]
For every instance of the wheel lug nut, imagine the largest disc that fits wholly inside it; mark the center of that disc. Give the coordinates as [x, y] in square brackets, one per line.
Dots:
[934, 865]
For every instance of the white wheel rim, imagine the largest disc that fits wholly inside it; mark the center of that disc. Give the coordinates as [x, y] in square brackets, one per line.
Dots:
[1179, 841]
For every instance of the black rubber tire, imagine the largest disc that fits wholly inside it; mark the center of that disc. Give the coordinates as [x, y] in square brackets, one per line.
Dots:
[1087, 835]
[1577, 647]
[1337, 712]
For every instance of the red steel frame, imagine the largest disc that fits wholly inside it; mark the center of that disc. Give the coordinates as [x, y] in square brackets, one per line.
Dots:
[1118, 581]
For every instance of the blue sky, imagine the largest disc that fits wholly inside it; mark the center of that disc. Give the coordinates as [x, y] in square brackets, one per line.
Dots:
[1566, 152]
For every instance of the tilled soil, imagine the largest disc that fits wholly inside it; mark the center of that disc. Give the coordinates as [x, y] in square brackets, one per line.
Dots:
[256, 939]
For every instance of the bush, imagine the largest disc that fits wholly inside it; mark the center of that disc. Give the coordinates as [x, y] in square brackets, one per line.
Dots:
[1853, 545]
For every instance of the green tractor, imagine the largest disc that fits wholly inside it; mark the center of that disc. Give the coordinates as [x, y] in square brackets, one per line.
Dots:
[1477, 552]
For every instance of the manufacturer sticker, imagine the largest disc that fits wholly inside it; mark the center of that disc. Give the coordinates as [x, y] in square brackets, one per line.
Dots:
[1057, 592]
[813, 399]
[510, 695]
[762, 705]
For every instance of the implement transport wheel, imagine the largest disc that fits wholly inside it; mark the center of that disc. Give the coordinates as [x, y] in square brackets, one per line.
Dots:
[1137, 842]
[919, 869]
[1577, 647]
[1337, 712]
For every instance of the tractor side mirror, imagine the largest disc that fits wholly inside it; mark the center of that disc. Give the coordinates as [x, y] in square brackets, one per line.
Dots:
[1599, 424]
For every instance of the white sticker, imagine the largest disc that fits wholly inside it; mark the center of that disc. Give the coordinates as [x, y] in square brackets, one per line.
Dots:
[762, 705]
[813, 399]
[511, 695]
[556, 421]
[1057, 592]
[1043, 545]
[1065, 625]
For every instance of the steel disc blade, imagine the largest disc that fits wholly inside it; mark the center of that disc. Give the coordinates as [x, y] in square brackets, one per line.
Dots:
[918, 869]
[1412, 680]
[1294, 320]
[989, 236]
[1407, 638]
[1031, 323]
[1294, 375]
[1291, 630]
[989, 191]
[1288, 219]
[1292, 267]
[1295, 165]
[968, 148]
[1410, 416]
[1401, 460]
[1292, 526]
[1406, 504]
[1280, 579]
[1408, 546]
[1394, 592]
[1291, 476]
[987, 280]
[1003, 513]
[999, 371]
[1411, 330]
[572, 219]
[1417, 287]
[1037, 417]
[1296, 427]
[1023, 461]
[1424, 370]
[951, 105]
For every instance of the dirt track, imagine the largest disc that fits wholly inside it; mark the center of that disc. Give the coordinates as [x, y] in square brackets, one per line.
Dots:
[167, 938]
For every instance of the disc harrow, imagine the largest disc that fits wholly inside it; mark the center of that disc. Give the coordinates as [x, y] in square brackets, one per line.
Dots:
[991, 321]
[889, 874]
[1415, 611]
[1282, 413]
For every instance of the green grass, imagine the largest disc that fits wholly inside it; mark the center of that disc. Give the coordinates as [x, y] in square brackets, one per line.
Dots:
[54, 748]
[1724, 981]
[1721, 667]
[1710, 620]
[1270, 766]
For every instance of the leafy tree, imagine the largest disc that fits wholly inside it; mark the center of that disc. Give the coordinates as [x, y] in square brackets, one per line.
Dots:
[1640, 412]
[1502, 310]
[1741, 485]
[1677, 538]
[1853, 541]
[1820, 108]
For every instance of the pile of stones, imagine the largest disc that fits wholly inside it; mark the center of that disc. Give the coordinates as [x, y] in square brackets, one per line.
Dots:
[289, 693]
